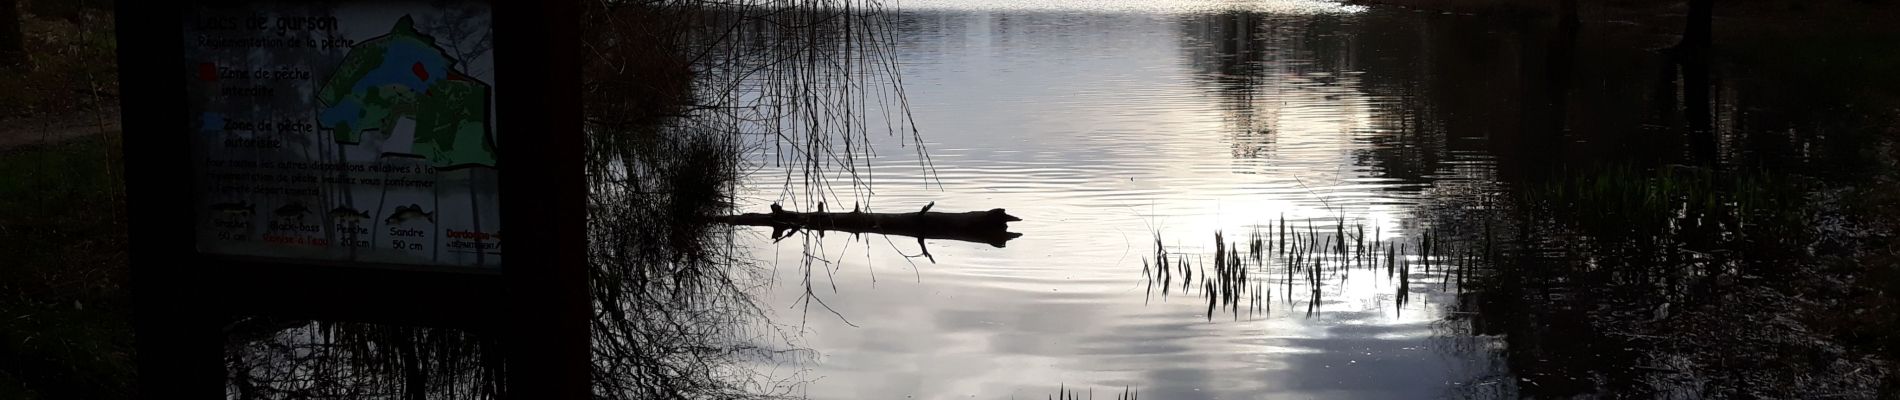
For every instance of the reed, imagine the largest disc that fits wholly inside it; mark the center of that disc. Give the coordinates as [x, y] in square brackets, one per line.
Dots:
[1064, 393]
[1307, 259]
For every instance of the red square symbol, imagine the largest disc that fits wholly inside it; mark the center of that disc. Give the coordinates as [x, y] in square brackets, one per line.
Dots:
[208, 72]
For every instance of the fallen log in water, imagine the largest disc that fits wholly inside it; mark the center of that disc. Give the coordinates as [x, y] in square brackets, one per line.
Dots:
[990, 227]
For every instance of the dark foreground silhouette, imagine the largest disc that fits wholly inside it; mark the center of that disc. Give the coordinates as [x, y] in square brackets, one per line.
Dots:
[989, 227]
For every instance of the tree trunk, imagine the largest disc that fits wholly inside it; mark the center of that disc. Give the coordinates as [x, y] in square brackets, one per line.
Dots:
[1693, 53]
[1696, 31]
[12, 39]
[988, 227]
[1567, 17]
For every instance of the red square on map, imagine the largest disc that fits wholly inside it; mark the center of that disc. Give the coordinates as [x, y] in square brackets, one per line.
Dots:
[208, 72]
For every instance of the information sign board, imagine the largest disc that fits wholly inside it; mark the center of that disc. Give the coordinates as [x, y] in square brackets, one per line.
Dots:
[354, 132]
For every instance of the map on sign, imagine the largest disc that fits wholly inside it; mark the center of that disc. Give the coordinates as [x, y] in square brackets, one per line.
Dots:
[403, 76]
[345, 131]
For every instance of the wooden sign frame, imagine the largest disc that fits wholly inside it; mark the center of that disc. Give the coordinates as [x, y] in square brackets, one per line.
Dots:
[538, 302]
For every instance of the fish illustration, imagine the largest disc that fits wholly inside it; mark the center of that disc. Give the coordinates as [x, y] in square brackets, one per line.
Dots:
[242, 208]
[292, 210]
[348, 214]
[407, 213]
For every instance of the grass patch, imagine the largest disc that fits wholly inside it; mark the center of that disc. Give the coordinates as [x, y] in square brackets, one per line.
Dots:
[65, 322]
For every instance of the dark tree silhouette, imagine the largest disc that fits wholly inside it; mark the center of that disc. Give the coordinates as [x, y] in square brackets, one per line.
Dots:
[12, 40]
[1693, 54]
[1695, 34]
[1567, 14]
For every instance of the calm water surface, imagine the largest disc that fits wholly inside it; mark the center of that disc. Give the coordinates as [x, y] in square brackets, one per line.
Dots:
[1104, 124]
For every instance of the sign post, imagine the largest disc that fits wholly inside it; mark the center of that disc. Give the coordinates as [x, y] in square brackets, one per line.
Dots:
[355, 160]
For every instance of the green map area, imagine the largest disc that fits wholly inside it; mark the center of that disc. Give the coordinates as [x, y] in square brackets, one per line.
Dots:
[403, 75]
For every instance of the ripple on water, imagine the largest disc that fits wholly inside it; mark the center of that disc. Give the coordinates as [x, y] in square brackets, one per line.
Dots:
[1104, 124]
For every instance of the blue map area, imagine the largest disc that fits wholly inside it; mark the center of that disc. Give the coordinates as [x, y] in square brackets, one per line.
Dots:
[210, 122]
[398, 68]
[404, 76]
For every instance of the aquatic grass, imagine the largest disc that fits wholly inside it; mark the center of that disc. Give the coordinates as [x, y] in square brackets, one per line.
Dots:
[1064, 393]
[1674, 223]
[1162, 273]
[1636, 258]
[1339, 235]
[1360, 251]
[1308, 259]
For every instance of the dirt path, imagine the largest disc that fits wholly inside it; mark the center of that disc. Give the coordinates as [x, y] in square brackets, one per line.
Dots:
[18, 132]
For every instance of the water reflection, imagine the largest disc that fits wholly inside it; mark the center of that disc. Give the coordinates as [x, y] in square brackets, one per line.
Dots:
[1511, 180]
[1321, 204]
[1098, 128]
[275, 358]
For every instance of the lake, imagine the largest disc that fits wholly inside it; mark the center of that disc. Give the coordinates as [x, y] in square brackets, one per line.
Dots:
[1122, 130]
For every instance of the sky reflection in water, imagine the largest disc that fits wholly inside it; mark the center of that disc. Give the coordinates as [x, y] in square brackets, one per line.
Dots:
[1101, 124]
